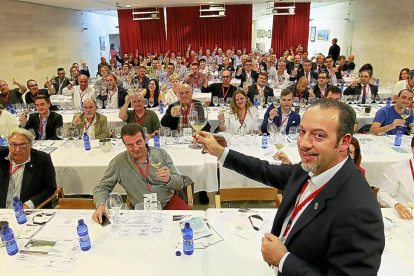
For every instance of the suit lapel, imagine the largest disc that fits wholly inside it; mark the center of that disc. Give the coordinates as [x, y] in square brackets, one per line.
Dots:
[319, 202]
[27, 178]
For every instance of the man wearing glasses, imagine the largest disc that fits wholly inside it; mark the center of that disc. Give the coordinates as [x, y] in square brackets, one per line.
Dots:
[246, 74]
[25, 172]
[132, 170]
[176, 115]
[306, 71]
[139, 115]
[34, 91]
[221, 90]
[45, 122]
[13, 96]
[334, 73]
[321, 88]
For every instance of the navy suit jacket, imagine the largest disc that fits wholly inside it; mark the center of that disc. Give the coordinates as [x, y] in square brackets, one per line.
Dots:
[39, 178]
[54, 121]
[253, 92]
[293, 120]
[341, 232]
[357, 90]
[301, 73]
[242, 77]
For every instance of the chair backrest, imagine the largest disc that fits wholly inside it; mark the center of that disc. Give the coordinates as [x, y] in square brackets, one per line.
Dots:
[57, 194]
[75, 203]
[245, 194]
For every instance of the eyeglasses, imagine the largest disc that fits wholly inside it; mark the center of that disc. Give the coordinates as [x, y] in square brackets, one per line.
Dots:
[22, 146]
[184, 93]
[33, 85]
[351, 152]
[322, 78]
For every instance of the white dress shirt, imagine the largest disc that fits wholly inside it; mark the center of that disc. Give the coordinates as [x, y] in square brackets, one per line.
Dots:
[233, 124]
[15, 184]
[76, 93]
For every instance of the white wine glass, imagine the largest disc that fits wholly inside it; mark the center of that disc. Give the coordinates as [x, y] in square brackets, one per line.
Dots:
[60, 132]
[118, 132]
[272, 129]
[279, 141]
[406, 112]
[151, 102]
[155, 159]
[198, 117]
[410, 205]
[221, 102]
[215, 102]
[276, 102]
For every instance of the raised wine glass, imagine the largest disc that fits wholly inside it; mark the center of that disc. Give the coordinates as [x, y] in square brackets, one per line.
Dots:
[215, 102]
[198, 117]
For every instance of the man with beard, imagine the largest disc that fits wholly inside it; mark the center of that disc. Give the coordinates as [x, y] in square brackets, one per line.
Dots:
[93, 123]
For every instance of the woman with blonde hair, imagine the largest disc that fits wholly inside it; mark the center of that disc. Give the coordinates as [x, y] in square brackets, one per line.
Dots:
[170, 96]
[241, 116]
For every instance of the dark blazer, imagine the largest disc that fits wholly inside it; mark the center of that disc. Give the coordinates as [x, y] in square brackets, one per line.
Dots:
[145, 82]
[122, 93]
[54, 121]
[334, 51]
[39, 178]
[293, 120]
[253, 92]
[242, 77]
[315, 66]
[340, 232]
[172, 122]
[56, 85]
[301, 73]
[291, 65]
[216, 89]
[357, 90]
[317, 91]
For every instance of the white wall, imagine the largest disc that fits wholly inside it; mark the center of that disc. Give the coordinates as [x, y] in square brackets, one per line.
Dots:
[265, 23]
[331, 17]
[37, 39]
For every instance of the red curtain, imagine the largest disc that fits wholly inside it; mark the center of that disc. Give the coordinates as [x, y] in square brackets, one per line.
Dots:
[147, 36]
[291, 30]
[184, 26]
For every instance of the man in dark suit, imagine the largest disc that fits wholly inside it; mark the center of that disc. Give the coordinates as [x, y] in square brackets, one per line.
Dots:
[294, 66]
[321, 88]
[306, 71]
[221, 90]
[319, 64]
[364, 88]
[45, 130]
[335, 74]
[115, 93]
[59, 82]
[334, 50]
[260, 89]
[246, 74]
[25, 172]
[284, 117]
[329, 222]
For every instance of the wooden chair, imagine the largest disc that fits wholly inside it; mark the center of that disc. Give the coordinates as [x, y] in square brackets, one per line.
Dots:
[57, 194]
[245, 194]
[75, 203]
[375, 190]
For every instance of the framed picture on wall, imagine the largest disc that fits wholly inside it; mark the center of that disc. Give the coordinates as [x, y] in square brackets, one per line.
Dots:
[261, 33]
[258, 33]
[102, 43]
[269, 33]
[323, 35]
[312, 34]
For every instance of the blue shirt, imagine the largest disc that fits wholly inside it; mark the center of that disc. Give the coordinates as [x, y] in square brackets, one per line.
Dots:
[386, 116]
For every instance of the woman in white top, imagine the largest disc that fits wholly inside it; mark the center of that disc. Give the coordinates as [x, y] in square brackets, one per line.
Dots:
[397, 188]
[241, 116]
[7, 122]
[170, 96]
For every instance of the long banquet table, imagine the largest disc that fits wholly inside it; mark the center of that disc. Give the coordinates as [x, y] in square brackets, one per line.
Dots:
[123, 249]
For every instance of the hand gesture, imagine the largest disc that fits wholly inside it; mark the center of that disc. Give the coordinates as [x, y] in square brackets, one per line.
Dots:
[282, 157]
[23, 119]
[403, 212]
[99, 212]
[186, 78]
[175, 111]
[48, 84]
[209, 143]
[70, 86]
[164, 174]
[83, 63]
[128, 99]
[398, 122]
[221, 117]
[273, 113]
[293, 72]
[312, 95]
[103, 92]
[76, 121]
[240, 70]
[272, 249]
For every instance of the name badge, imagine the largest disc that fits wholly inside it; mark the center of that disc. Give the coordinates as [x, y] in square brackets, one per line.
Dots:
[150, 201]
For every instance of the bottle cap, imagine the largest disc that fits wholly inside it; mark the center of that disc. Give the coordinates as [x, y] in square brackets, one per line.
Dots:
[15, 199]
[187, 224]
[81, 222]
[177, 253]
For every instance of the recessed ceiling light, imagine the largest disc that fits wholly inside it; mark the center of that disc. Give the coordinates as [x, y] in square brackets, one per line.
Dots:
[211, 2]
[128, 6]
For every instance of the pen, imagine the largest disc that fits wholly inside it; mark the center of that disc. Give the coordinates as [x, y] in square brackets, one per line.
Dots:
[52, 144]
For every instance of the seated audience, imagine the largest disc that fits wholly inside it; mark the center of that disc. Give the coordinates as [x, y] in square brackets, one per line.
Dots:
[7, 122]
[241, 116]
[350, 63]
[300, 89]
[260, 89]
[284, 117]
[84, 70]
[12, 96]
[221, 90]
[397, 187]
[45, 122]
[321, 89]
[114, 95]
[141, 77]
[80, 93]
[408, 83]
[388, 118]
[195, 77]
[164, 77]
[279, 77]
[333, 72]
[59, 82]
[100, 65]
[319, 64]
[34, 91]
[152, 92]
[246, 74]
[74, 76]
[126, 75]
[305, 71]
[139, 115]
[93, 123]
[25, 172]
[363, 88]
[132, 170]
[294, 66]
[170, 95]
[113, 67]
[176, 115]
[355, 153]
[225, 65]
[342, 65]
[101, 83]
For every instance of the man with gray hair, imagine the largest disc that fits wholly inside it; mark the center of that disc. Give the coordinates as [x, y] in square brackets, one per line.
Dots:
[329, 222]
[25, 172]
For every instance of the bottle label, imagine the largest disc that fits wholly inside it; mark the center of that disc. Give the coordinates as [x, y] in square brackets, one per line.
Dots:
[10, 242]
[84, 238]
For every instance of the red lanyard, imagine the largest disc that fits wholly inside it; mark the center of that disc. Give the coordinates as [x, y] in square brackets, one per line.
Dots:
[258, 91]
[197, 79]
[412, 171]
[12, 172]
[299, 207]
[33, 98]
[82, 94]
[225, 94]
[244, 118]
[307, 75]
[5, 99]
[365, 92]
[40, 127]
[142, 118]
[188, 110]
[145, 175]
[90, 123]
[287, 117]
[111, 95]
[279, 77]
[299, 95]
[249, 76]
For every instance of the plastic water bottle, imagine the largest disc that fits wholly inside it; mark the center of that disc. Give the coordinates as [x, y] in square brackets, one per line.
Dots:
[84, 241]
[19, 211]
[342, 87]
[86, 141]
[388, 102]
[161, 106]
[7, 236]
[377, 83]
[188, 245]
[156, 140]
[81, 109]
[256, 103]
[398, 137]
[265, 141]
[3, 141]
